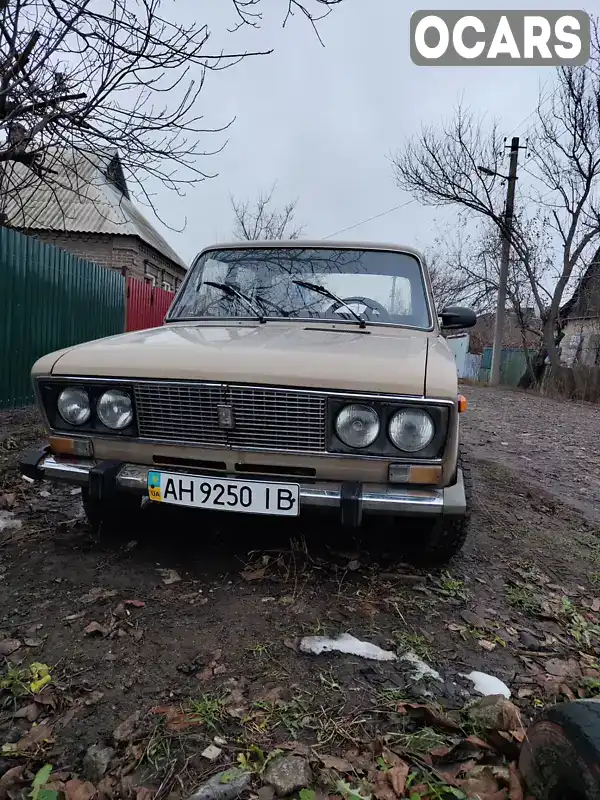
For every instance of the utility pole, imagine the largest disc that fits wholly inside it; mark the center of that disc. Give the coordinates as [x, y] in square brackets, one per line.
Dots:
[504, 261]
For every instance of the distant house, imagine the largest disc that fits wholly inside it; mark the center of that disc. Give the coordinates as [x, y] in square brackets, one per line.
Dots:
[482, 335]
[580, 320]
[84, 206]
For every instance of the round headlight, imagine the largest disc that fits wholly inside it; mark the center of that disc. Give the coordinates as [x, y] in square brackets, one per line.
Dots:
[115, 409]
[411, 430]
[74, 405]
[357, 426]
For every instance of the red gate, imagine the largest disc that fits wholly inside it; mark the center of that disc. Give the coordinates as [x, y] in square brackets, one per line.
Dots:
[146, 306]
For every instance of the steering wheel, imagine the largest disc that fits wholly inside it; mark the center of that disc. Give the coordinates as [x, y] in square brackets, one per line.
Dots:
[381, 313]
[264, 302]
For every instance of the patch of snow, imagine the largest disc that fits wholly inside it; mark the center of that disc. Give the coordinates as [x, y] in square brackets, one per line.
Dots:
[345, 643]
[488, 684]
[211, 753]
[8, 522]
[422, 670]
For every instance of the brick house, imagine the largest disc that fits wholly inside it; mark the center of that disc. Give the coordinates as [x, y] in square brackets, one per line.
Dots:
[482, 335]
[580, 320]
[87, 210]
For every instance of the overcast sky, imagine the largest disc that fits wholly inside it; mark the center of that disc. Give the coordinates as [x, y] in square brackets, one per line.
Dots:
[322, 121]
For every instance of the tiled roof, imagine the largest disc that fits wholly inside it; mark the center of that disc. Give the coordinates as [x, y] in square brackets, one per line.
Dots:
[82, 198]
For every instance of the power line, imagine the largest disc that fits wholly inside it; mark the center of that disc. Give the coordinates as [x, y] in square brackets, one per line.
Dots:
[370, 219]
[403, 205]
[541, 103]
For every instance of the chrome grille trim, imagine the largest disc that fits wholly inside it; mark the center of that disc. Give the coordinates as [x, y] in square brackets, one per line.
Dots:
[265, 418]
[179, 411]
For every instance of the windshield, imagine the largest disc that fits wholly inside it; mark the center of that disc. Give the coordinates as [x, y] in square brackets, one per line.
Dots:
[380, 286]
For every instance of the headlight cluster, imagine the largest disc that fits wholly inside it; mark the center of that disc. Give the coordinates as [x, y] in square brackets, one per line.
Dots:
[114, 407]
[408, 429]
[357, 426]
[411, 429]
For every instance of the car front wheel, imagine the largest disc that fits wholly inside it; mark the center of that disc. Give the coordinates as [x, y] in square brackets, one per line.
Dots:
[111, 515]
[436, 542]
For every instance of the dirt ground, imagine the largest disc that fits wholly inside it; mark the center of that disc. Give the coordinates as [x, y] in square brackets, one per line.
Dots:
[206, 612]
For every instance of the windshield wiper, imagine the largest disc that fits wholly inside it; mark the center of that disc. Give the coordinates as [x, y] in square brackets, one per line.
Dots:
[231, 291]
[315, 287]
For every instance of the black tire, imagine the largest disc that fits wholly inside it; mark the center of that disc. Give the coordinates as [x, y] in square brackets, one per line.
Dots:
[437, 542]
[560, 758]
[116, 515]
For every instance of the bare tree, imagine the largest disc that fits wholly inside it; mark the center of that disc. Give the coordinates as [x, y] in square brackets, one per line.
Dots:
[263, 220]
[475, 258]
[450, 284]
[441, 166]
[249, 14]
[85, 76]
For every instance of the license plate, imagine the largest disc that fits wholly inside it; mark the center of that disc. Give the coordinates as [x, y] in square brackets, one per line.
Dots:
[249, 497]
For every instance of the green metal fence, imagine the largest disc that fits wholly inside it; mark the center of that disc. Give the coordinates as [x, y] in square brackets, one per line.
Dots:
[49, 299]
[513, 364]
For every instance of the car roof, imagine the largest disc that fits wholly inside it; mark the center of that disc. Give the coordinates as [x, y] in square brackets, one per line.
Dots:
[314, 243]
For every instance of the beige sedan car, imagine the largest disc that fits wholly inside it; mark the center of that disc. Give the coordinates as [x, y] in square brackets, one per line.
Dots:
[288, 375]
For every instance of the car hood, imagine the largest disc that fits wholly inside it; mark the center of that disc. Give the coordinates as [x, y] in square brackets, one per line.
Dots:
[333, 357]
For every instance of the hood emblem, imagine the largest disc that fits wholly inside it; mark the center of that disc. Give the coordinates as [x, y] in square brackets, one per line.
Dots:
[225, 415]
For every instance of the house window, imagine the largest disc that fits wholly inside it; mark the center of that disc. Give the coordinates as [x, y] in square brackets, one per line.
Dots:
[166, 285]
[150, 279]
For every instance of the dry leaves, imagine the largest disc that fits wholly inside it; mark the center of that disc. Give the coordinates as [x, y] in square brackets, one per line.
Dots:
[253, 574]
[34, 739]
[143, 793]
[76, 789]
[94, 628]
[398, 776]
[336, 763]
[473, 619]
[12, 778]
[515, 783]
[455, 627]
[175, 719]
[213, 668]
[563, 669]
[97, 594]
[382, 789]
[169, 576]
[72, 617]
[125, 731]
[495, 713]
[9, 646]
[428, 715]
[7, 499]
[30, 712]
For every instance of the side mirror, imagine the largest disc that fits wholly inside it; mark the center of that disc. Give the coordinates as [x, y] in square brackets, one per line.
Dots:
[455, 317]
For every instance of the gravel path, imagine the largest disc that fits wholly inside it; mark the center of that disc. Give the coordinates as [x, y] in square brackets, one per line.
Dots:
[554, 444]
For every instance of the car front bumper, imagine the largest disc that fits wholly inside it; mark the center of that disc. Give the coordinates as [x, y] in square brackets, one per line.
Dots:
[105, 478]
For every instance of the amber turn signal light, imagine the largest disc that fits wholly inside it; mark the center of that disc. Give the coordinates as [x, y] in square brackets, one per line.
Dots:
[70, 447]
[424, 474]
[462, 403]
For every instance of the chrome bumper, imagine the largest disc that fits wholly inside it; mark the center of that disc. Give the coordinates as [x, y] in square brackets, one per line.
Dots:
[373, 498]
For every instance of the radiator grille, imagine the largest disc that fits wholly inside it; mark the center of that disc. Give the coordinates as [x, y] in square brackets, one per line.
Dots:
[264, 418]
[179, 412]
